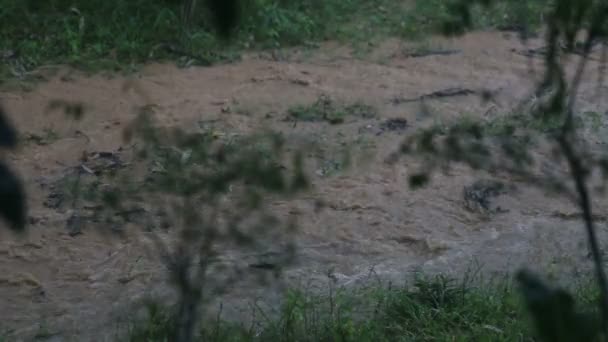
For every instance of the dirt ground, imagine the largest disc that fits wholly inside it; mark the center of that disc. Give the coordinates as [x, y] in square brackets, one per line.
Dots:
[59, 286]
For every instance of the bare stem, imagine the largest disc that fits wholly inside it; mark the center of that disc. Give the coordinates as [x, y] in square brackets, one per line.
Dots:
[578, 174]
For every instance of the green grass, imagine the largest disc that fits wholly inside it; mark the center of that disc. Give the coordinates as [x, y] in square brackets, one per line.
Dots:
[434, 309]
[507, 124]
[47, 137]
[327, 109]
[121, 35]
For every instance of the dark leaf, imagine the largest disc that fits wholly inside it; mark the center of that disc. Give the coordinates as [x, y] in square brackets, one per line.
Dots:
[554, 313]
[300, 181]
[73, 110]
[8, 135]
[12, 199]
[226, 14]
[111, 198]
[418, 180]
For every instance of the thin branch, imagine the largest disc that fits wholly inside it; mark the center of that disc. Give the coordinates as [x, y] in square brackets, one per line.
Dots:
[579, 175]
[602, 68]
[576, 82]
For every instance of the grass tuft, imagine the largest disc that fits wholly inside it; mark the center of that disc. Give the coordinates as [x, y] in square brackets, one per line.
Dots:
[328, 110]
[120, 35]
[431, 309]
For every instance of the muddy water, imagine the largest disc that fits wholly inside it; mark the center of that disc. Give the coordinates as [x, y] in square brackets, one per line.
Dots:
[61, 286]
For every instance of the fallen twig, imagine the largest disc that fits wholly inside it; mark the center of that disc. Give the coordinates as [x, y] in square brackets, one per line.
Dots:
[448, 92]
[431, 52]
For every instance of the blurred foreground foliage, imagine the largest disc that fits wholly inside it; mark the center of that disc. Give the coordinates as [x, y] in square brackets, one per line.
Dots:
[193, 174]
[574, 29]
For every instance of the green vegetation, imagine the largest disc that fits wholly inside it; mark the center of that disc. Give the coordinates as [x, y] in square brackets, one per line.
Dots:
[47, 137]
[433, 309]
[120, 35]
[199, 172]
[325, 109]
[509, 123]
